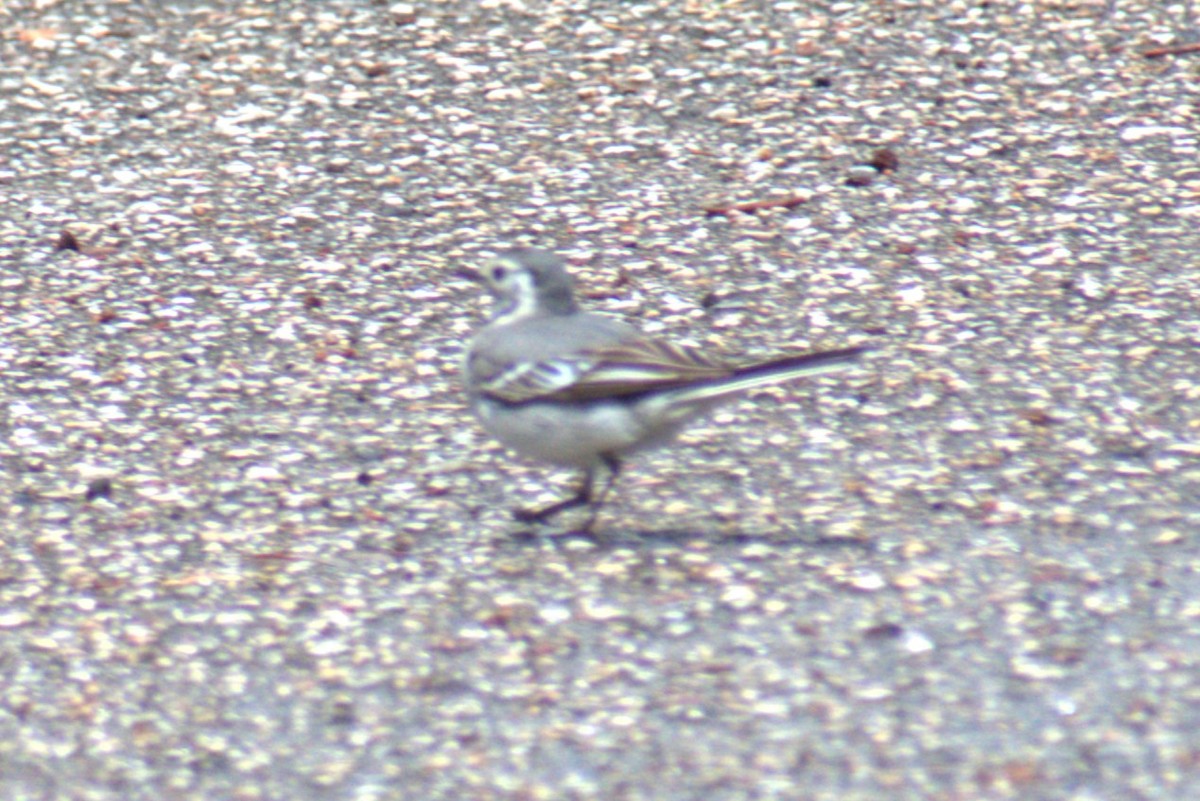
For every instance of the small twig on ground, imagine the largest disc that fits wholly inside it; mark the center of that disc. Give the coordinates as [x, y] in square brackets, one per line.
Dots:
[1172, 50]
[755, 205]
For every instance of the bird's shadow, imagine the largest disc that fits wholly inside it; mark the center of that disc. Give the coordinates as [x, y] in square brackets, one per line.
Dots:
[611, 538]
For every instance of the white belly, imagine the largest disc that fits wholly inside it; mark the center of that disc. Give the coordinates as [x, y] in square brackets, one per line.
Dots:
[574, 435]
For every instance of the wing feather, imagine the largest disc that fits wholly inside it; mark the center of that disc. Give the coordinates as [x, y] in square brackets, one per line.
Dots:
[627, 368]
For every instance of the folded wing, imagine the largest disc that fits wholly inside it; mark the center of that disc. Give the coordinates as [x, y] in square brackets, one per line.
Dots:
[629, 368]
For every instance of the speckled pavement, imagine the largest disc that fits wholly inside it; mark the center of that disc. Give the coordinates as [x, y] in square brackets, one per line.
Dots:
[254, 547]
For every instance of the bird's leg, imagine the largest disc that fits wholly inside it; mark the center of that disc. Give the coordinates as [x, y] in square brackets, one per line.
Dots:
[614, 469]
[580, 498]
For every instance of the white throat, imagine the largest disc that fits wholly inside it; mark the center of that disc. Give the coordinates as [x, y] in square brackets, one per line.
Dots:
[523, 301]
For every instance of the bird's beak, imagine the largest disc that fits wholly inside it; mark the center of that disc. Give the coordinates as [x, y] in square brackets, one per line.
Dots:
[469, 274]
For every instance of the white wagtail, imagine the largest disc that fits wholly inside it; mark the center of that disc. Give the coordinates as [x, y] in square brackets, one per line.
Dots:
[581, 390]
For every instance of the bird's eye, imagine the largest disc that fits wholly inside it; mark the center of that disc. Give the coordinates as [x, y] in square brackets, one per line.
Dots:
[498, 273]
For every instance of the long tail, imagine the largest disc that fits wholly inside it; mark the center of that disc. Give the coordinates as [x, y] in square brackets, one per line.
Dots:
[772, 372]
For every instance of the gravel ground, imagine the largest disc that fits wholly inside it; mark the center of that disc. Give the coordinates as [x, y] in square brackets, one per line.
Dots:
[255, 548]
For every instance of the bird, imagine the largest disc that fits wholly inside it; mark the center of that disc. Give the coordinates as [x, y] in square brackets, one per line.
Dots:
[582, 390]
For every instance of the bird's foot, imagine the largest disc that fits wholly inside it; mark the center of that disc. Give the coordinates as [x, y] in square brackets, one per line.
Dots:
[547, 512]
